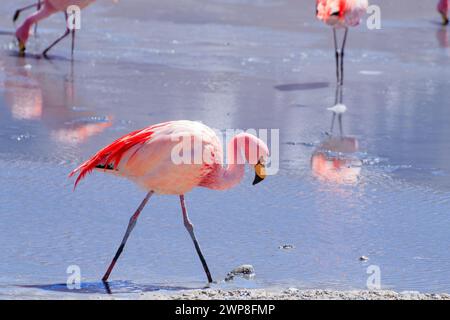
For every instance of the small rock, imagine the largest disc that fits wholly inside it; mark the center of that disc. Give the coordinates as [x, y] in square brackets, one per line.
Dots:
[363, 258]
[246, 271]
[291, 290]
[286, 247]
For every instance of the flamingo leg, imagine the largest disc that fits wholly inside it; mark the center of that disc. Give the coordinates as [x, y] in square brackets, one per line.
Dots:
[38, 7]
[130, 228]
[338, 77]
[73, 41]
[342, 55]
[332, 123]
[73, 35]
[190, 229]
[339, 95]
[57, 40]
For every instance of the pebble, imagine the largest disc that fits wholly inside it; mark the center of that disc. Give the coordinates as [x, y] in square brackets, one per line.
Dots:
[292, 290]
[286, 247]
[363, 258]
[247, 271]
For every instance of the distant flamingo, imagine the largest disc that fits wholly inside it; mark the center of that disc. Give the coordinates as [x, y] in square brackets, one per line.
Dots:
[146, 157]
[443, 10]
[335, 160]
[34, 96]
[341, 14]
[48, 8]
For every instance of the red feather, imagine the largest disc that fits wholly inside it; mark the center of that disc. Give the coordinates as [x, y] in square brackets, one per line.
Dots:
[112, 154]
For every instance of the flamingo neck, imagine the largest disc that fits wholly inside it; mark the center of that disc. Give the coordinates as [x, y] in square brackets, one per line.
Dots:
[228, 177]
[23, 32]
[443, 6]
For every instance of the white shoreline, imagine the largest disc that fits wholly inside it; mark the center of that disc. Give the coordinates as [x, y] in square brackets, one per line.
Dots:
[292, 294]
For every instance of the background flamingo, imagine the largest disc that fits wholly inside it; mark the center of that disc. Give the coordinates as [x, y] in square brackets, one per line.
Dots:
[341, 14]
[45, 9]
[146, 157]
[443, 10]
[334, 159]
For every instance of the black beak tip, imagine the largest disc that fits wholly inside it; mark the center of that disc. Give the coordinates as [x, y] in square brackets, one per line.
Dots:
[16, 15]
[257, 180]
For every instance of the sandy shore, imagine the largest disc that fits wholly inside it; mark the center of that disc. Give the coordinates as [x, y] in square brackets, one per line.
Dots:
[293, 294]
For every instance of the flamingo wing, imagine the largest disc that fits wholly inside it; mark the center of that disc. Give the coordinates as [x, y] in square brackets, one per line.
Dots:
[109, 157]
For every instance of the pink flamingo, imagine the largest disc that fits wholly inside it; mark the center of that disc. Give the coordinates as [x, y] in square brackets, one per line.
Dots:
[147, 158]
[443, 10]
[48, 8]
[341, 14]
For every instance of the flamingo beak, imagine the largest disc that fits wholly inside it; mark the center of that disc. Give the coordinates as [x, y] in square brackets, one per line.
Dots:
[21, 46]
[260, 173]
[444, 19]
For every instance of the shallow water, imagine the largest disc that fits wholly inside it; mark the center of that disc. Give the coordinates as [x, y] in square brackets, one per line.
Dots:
[232, 64]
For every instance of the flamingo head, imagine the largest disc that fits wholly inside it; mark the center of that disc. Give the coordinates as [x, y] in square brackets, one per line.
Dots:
[443, 9]
[22, 35]
[256, 154]
[21, 46]
[445, 20]
[260, 172]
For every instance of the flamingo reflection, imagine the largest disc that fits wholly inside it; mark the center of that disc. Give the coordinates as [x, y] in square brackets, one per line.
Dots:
[48, 98]
[442, 37]
[335, 160]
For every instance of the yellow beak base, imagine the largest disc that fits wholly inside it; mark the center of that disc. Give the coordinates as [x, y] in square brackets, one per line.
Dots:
[444, 19]
[260, 173]
[22, 47]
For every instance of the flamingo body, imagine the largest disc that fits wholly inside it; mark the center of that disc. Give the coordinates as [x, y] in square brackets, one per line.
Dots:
[62, 5]
[146, 157]
[341, 13]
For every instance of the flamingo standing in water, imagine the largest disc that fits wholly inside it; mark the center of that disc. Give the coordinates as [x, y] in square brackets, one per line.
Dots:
[45, 9]
[147, 158]
[341, 14]
[443, 10]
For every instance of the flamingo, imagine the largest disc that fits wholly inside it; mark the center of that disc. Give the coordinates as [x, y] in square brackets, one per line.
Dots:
[45, 8]
[443, 10]
[341, 14]
[146, 158]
